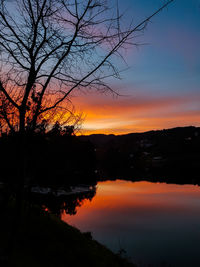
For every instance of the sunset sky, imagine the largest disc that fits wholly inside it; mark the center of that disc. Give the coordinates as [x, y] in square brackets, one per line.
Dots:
[161, 88]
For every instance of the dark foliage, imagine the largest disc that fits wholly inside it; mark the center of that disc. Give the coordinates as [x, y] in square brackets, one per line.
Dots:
[50, 159]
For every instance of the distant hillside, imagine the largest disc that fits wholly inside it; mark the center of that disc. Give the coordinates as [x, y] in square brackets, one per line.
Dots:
[172, 153]
[178, 132]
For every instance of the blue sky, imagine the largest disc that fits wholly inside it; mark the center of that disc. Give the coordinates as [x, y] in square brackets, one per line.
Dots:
[161, 88]
[171, 57]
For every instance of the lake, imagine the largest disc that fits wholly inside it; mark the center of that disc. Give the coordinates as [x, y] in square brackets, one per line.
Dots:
[152, 224]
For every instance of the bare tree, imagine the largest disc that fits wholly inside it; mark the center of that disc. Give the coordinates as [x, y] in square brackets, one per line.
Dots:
[49, 48]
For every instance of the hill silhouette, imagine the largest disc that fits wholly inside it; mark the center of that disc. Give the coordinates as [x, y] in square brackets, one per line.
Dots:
[171, 155]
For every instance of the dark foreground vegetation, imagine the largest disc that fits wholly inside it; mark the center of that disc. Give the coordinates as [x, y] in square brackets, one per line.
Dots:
[61, 159]
[44, 240]
[58, 160]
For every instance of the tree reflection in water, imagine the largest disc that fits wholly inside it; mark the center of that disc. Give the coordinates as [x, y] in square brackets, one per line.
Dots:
[65, 203]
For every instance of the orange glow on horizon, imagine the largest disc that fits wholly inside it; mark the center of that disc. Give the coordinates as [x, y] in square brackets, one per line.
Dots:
[120, 126]
[105, 115]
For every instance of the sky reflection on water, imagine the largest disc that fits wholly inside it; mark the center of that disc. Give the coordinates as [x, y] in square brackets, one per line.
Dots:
[153, 222]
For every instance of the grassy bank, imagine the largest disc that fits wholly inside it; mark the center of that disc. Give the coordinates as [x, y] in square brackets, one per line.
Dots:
[44, 240]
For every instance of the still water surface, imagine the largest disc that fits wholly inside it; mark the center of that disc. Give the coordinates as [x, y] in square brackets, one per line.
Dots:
[157, 224]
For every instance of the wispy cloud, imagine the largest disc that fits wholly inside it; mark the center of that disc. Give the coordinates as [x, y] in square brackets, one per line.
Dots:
[139, 113]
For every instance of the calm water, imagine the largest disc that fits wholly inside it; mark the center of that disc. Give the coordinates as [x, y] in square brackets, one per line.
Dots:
[155, 223]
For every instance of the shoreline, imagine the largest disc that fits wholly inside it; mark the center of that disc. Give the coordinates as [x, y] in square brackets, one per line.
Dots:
[45, 240]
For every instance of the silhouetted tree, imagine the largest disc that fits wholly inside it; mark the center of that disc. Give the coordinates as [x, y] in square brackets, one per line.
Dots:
[49, 48]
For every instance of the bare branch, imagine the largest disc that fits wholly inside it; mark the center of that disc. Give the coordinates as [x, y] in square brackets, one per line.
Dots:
[2, 89]
[49, 48]
[140, 26]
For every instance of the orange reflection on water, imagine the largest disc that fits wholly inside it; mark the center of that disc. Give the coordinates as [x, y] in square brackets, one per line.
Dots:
[125, 196]
[151, 221]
